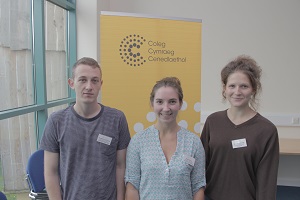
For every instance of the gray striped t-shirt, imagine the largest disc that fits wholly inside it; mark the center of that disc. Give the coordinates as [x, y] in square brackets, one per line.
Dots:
[87, 149]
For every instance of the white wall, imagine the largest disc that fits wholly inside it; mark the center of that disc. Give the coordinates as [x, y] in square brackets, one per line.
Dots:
[269, 31]
[87, 28]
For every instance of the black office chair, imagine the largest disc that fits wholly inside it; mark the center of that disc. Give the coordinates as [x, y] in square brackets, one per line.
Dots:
[35, 176]
[2, 196]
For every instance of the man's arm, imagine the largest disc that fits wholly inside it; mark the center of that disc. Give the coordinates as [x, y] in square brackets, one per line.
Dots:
[52, 179]
[120, 173]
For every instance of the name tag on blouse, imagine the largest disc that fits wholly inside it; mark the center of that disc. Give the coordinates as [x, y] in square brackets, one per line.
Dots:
[104, 139]
[239, 143]
[189, 160]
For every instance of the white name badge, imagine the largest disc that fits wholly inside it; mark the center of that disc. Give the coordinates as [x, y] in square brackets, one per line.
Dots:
[104, 139]
[239, 143]
[189, 160]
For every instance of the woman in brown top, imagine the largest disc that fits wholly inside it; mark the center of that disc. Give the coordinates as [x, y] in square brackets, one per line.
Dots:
[241, 146]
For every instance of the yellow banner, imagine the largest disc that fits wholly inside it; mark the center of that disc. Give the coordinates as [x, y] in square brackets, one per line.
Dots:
[136, 51]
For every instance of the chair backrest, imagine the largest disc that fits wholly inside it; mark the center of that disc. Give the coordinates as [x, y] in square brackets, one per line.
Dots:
[35, 171]
[2, 196]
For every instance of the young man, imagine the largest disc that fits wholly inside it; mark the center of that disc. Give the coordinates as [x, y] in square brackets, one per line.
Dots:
[85, 144]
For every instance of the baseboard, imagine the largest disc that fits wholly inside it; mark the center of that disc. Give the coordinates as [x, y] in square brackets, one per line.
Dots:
[288, 182]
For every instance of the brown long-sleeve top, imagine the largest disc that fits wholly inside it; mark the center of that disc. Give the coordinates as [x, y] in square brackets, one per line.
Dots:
[241, 160]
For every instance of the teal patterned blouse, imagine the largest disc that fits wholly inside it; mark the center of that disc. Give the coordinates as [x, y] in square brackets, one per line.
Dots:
[148, 171]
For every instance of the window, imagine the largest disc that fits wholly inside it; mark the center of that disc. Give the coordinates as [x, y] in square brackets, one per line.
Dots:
[37, 46]
[17, 142]
[55, 43]
[16, 57]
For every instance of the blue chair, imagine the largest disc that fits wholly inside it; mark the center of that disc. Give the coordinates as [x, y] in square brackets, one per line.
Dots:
[2, 196]
[35, 176]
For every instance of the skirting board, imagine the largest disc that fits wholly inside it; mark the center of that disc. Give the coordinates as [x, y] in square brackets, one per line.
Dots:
[288, 181]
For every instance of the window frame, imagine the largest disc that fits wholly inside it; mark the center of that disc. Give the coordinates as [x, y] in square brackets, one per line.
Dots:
[41, 105]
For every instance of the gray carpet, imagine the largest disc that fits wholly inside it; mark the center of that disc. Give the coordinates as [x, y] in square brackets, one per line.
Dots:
[288, 193]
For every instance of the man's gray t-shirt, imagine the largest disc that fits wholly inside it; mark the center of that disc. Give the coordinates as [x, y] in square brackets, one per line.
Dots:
[87, 149]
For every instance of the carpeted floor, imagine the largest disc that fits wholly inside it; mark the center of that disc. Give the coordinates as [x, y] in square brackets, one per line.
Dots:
[288, 193]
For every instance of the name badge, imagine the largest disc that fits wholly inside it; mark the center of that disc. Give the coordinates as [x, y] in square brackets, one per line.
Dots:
[189, 160]
[104, 139]
[239, 143]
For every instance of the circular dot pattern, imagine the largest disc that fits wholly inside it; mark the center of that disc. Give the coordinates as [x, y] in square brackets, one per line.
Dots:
[130, 50]
[184, 105]
[183, 124]
[197, 107]
[151, 117]
[197, 127]
[138, 127]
